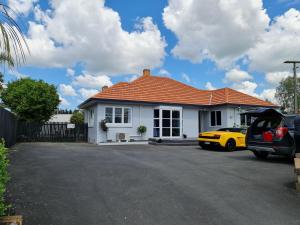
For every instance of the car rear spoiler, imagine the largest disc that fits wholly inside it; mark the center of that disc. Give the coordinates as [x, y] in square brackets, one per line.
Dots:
[260, 112]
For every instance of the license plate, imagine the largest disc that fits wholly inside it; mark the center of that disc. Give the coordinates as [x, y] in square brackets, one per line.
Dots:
[206, 143]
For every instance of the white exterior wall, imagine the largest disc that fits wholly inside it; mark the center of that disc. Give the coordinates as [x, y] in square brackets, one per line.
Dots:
[190, 122]
[92, 130]
[143, 115]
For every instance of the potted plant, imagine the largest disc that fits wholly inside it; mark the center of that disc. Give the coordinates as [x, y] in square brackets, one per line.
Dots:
[142, 130]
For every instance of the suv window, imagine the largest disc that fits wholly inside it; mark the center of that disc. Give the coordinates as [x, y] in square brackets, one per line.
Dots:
[289, 121]
[265, 124]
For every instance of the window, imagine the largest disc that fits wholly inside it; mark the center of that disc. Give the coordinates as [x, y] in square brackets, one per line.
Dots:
[166, 122]
[215, 118]
[109, 115]
[118, 115]
[91, 118]
[156, 126]
[246, 120]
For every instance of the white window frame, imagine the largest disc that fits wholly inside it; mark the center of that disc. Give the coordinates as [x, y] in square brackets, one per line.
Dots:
[122, 124]
[91, 119]
[161, 108]
[210, 119]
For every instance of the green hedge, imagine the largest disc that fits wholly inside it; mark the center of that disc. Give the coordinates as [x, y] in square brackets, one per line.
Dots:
[3, 177]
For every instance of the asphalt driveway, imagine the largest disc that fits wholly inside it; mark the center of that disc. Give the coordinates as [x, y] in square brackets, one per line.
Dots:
[81, 184]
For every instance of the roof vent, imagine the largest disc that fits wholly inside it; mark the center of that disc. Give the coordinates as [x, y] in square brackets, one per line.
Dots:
[104, 88]
[146, 72]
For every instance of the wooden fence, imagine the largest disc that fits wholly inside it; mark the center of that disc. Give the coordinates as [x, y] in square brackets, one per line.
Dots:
[8, 127]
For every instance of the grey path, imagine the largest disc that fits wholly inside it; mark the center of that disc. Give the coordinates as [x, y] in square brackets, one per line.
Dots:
[81, 184]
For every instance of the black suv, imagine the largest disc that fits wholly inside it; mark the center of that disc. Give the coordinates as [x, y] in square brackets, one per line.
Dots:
[273, 133]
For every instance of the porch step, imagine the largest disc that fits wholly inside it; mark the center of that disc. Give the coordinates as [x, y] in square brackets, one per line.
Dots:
[169, 142]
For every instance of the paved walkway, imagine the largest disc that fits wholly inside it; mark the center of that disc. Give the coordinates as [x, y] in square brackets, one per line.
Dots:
[81, 184]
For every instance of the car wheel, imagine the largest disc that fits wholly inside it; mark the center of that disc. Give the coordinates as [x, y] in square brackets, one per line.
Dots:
[202, 145]
[230, 145]
[261, 155]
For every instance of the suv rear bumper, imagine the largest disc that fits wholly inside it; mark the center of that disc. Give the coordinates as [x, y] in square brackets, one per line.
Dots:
[272, 150]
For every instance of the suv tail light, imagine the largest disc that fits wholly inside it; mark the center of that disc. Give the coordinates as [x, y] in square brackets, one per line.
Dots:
[281, 132]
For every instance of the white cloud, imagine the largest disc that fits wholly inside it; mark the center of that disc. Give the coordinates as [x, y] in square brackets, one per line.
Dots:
[186, 78]
[67, 90]
[246, 87]
[209, 86]
[17, 74]
[236, 75]
[70, 72]
[87, 93]
[277, 44]
[89, 81]
[132, 78]
[164, 73]
[21, 6]
[268, 94]
[274, 78]
[64, 102]
[95, 38]
[217, 29]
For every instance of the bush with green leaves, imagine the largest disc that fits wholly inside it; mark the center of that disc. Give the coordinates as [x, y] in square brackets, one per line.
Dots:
[77, 118]
[31, 100]
[142, 129]
[3, 177]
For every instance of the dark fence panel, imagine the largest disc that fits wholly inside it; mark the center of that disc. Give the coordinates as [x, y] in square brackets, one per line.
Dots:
[51, 132]
[8, 127]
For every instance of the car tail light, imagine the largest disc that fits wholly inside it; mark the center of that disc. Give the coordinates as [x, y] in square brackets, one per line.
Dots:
[268, 136]
[281, 132]
[216, 136]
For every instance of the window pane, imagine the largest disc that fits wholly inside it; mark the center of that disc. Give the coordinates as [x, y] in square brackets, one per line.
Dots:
[156, 123]
[156, 113]
[219, 118]
[175, 123]
[108, 114]
[243, 123]
[212, 118]
[118, 115]
[166, 114]
[175, 114]
[166, 123]
[166, 132]
[175, 132]
[248, 120]
[127, 115]
[156, 132]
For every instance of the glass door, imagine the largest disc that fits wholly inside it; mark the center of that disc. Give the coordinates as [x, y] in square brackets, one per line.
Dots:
[167, 123]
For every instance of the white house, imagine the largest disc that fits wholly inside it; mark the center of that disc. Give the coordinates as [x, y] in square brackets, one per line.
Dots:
[168, 109]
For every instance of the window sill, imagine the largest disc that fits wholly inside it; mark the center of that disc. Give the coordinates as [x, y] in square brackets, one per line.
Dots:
[121, 125]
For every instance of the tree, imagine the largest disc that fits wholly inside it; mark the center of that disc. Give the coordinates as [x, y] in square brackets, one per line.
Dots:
[285, 94]
[31, 100]
[77, 118]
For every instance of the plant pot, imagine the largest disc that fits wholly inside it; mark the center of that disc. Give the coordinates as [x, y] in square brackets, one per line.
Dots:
[11, 220]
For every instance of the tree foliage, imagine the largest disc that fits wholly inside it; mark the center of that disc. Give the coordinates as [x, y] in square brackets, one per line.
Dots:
[285, 94]
[31, 100]
[77, 118]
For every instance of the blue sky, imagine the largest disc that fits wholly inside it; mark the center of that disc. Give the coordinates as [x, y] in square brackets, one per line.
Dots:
[206, 44]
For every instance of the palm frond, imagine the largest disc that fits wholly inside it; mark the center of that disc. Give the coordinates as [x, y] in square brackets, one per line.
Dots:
[12, 41]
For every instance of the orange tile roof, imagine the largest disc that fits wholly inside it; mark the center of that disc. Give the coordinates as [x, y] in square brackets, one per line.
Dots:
[165, 90]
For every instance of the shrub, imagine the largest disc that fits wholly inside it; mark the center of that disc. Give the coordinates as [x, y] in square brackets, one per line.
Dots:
[142, 129]
[77, 118]
[3, 177]
[103, 125]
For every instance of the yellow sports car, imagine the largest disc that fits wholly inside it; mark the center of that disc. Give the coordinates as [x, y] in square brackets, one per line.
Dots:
[228, 138]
